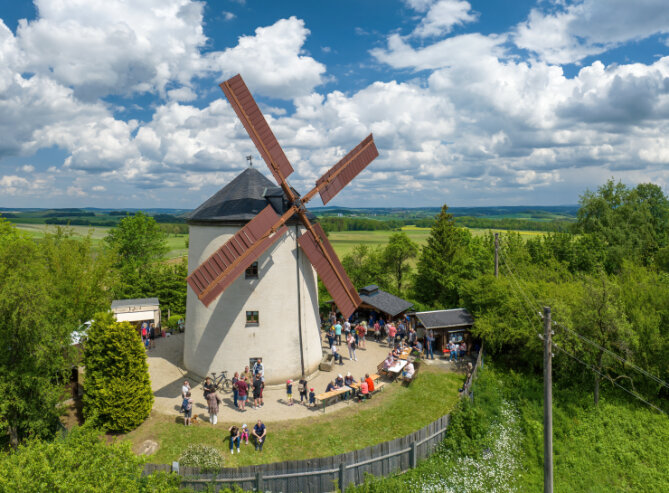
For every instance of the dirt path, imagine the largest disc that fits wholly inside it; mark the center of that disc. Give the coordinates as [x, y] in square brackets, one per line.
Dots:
[168, 375]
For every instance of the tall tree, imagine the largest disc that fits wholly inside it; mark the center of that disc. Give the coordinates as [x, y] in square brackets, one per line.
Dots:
[600, 316]
[364, 266]
[35, 351]
[442, 262]
[117, 389]
[396, 255]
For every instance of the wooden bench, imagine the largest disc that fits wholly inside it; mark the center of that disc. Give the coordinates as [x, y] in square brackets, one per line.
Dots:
[327, 396]
[382, 371]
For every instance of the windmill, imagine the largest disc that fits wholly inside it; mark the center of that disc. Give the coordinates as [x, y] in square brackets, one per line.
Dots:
[226, 264]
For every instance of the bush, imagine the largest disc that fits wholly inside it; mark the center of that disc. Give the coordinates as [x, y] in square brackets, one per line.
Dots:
[79, 462]
[117, 388]
[207, 458]
[173, 322]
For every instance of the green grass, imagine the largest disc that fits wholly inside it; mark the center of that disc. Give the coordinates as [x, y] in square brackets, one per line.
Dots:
[176, 244]
[619, 446]
[343, 242]
[395, 412]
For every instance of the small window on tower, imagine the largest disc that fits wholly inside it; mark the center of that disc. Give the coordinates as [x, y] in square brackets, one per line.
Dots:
[252, 318]
[252, 271]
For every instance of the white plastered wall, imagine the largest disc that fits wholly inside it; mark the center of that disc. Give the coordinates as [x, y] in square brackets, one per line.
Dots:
[217, 337]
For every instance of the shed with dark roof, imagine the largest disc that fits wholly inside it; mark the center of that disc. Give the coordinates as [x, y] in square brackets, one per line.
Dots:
[137, 310]
[375, 299]
[447, 325]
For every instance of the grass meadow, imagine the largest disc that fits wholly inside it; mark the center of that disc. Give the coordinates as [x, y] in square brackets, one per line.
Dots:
[343, 242]
[395, 412]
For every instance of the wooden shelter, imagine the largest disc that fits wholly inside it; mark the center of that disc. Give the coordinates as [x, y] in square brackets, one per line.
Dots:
[137, 310]
[448, 326]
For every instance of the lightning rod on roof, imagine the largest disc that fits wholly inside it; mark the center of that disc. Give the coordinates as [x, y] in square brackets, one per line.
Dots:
[249, 158]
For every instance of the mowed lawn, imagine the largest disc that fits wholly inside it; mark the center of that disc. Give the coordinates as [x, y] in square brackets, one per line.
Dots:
[395, 412]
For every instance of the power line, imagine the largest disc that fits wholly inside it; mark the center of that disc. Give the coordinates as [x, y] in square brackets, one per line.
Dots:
[616, 356]
[633, 394]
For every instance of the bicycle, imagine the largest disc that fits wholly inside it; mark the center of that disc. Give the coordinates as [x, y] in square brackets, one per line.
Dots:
[221, 382]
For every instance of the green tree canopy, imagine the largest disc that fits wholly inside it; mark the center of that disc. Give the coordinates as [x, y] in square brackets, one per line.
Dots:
[117, 388]
[396, 255]
[80, 461]
[137, 241]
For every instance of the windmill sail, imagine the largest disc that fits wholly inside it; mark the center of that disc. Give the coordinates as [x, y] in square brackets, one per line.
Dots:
[335, 279]
[255, 124]
[226, 264]
[331, 183]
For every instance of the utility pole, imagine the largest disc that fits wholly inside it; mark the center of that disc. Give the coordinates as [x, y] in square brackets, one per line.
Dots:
[548, 403]
[496, 254]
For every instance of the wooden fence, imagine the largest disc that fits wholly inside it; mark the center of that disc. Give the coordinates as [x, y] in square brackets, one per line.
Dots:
[325, 474]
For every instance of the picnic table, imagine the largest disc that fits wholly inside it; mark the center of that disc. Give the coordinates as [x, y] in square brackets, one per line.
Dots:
[375, 379]
[326, 396]
[397, 367]
[405, 353]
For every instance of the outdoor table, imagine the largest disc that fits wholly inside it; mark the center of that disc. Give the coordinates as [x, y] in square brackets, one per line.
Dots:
[397, 367]
[333, 393]
[405, 354]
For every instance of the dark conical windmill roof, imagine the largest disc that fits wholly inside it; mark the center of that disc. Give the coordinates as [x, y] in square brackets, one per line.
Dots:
[241, 200]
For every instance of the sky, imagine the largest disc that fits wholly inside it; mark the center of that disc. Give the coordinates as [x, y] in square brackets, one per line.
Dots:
[115, 103]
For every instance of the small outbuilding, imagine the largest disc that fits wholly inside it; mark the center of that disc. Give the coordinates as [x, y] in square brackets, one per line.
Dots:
[452, 325]
[137, 311]
[379, 304]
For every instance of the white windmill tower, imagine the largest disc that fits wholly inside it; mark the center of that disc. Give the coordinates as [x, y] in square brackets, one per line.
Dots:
[253, 257]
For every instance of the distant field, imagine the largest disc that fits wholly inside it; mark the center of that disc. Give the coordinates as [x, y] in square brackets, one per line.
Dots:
[175, 243]
[343, 242]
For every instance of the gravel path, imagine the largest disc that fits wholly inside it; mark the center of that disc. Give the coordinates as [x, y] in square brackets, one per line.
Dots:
[168, 375]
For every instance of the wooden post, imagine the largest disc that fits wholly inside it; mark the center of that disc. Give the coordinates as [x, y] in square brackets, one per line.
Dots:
[342, 477]
[548, 404]
[496, 254]
[413, 457]
[258, 481]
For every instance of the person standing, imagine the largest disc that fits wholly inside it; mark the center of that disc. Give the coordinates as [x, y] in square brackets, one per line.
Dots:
[212, 403]
[257, 389]
[235, 390]
[243, 389]
[208, 387]
[187, 408]
[185, 389]
[350, 342]
[302, 387]
[259, 433]
[377, 331]
[289, 391]
[429, 344]
[152, 336]
[312, 397]
[392, 331]
[347, 328]
[337, 329]
[259, 369]
[362, 334]
[248, 375]
[235, 438]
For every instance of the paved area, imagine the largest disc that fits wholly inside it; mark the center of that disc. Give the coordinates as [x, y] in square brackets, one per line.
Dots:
[167, 376]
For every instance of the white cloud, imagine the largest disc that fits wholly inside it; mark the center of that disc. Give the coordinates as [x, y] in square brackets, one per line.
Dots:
[228, 16]
[442, 16]
[271, 60]
[590, 27]
[102, 47]
[27, 168]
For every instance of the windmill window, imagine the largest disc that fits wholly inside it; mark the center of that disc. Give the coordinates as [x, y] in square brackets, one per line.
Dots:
[252, 318]
[252, 271]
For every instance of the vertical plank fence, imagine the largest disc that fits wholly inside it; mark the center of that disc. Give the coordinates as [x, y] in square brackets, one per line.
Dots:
[325, 474]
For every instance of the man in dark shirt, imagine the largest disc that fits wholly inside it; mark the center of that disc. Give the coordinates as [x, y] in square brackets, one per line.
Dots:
[330, 387]
[208, 387]
[259, 432]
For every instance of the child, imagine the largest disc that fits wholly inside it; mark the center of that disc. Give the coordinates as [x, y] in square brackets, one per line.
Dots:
[245, 434]
[289, 391]
[187, 408]
[312, 397]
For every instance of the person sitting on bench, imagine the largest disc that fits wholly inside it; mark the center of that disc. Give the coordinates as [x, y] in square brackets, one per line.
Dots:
[388, 362]
[408, 371]
[363, 393]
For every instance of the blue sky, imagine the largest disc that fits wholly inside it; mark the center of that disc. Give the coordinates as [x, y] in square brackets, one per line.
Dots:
[111, 103]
